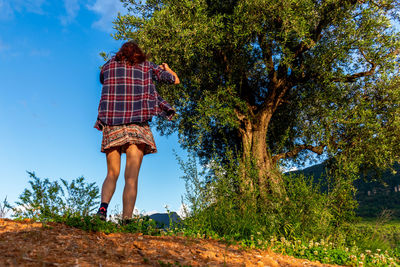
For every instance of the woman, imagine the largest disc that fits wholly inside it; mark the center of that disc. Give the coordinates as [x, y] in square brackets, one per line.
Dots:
[128, 101]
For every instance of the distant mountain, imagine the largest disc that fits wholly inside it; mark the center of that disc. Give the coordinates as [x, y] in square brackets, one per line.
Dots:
[317, 171]
[374, 193]
[163, 219]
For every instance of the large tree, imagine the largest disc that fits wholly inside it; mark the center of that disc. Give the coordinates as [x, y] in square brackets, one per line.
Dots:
[278, 80]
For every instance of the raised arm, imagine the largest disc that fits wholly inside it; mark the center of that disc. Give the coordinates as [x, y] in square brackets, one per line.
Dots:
[165, 67]
[162, 73]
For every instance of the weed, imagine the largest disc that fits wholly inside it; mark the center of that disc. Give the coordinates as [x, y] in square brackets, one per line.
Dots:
[47, 200]
[4, 208]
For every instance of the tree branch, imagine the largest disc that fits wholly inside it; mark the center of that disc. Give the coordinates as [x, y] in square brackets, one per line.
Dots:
[266, 49]
[353, 77]
[316, 149]
[316, 33]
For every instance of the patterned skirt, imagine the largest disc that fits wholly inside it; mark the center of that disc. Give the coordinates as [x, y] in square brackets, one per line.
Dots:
[120, 136]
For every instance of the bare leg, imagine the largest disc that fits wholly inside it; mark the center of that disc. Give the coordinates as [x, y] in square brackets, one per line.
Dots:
[134, 156]
[113, 167]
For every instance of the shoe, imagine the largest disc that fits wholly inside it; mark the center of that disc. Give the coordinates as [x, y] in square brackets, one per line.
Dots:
[102, 214]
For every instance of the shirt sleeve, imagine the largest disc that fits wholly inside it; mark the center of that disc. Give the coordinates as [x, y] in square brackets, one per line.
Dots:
[164, 107]
[101, 76]
[161, 75]
[102, 70]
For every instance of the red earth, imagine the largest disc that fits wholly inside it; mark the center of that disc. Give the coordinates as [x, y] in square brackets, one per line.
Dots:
[33, 244]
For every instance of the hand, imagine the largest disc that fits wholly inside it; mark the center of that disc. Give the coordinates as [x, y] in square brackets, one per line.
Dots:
[164, 66]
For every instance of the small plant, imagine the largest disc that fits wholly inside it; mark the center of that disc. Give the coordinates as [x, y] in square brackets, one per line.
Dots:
[80, 197]
[219, 208]
[4, 208]
[330, 253]
[48, 200]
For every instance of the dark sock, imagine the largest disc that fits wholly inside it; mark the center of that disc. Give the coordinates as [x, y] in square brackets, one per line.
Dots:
[103, 208]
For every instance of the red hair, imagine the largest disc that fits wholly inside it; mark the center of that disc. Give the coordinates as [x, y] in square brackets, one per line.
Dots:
[130, 53]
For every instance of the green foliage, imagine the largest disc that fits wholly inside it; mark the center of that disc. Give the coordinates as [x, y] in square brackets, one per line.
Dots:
[325, 72]
[142, 224]
[221, 213]
[47, 200]
[4, 208]
[218, 208]
[290, 225]
[328, 252]
[80, 198]
[375, 189]
[88, 223]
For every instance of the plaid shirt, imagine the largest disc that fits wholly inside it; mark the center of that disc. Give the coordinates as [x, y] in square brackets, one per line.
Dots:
[129, 94]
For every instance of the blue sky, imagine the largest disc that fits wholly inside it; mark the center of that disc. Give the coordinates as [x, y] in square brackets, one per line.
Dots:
[49, 93]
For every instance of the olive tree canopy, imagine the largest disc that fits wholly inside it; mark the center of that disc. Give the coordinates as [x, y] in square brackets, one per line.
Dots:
[278, 80]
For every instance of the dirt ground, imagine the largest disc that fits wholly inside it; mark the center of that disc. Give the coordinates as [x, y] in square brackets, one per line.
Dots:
[31, 244]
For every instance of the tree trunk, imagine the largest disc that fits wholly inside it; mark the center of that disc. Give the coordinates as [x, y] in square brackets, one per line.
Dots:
[266, 178]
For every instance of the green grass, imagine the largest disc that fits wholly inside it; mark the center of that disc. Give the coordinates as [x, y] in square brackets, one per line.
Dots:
[313, 225]
[368, 243]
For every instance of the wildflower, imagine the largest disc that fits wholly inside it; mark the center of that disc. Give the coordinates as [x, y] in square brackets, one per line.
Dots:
[315, 252]
[362, 256]
[346, 249]
[368, 251]
[378, 250]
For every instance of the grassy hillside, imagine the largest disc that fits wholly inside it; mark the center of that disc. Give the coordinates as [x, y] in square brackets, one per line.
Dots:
[375, 193]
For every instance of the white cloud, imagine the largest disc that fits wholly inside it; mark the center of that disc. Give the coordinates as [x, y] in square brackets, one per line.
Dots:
[9, 7]
[108, 11]
[72, 8]
[285, 169]
[6, 11]
[183, 211]
[148, 213]
[32, 6]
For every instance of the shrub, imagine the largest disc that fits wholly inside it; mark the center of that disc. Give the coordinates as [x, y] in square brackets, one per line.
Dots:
[218, 208]
[47, 200]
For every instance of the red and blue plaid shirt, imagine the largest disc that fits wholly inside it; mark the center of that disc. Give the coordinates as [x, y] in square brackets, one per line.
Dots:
[129, 94]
